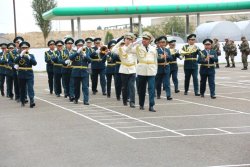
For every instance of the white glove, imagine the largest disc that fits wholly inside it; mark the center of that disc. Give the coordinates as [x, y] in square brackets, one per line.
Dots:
[22, 53]
[79, 50]
[137, 42]
[29, 57]
[67, 61]
[16, 66]
[98, 51]
[212, 56]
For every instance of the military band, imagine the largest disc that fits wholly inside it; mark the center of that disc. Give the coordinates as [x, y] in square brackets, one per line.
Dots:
[126, 60]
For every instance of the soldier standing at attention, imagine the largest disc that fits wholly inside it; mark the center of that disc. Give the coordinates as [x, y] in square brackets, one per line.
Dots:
[57, 68]
[244, 48]
[232, 51]
[190, 52]
[207, 59]
[68, 83]
[9, 71]
[110, 70]
[163, 70]
[146, 69]
[216, 47]
[24, 63]
[226, 50]
[80, 72]
[3, 55]
[49, 65]
[173, 64]
[127, 68]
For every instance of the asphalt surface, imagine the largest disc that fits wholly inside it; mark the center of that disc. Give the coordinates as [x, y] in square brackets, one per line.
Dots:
[188, 131]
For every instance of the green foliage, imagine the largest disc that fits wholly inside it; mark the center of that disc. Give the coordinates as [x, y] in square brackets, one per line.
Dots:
[171, 26]
[236, 18]
[109, 36]
[40, 7]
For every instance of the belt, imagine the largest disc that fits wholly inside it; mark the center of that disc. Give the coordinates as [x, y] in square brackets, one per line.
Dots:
[163, 64]
[80, 67]
[25, 68]
[8, 67]
[96, 59]
[118, 62]
[66, 66]
[111, 64]
[146, 62]
[190, 59]
[55, 64]
[2, 65]
[173, 62]
[208, 65]
[127, 64]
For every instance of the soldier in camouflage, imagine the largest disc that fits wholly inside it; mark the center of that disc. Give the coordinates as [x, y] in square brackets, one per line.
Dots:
[226, 50]
[244, 49]
[232, 51]
[216, 47]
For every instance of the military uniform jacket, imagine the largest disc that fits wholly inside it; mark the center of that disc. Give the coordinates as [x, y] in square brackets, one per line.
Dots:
[173, 62]
[191, 55]
[244, 47]
[79, 64]
[232, 49]
[11, 58]
[48, 59]
[95, 48]
[226, 47]
[98, 60]
[111, 63]
[57, 66]
[207, 65]
[162, 63]
[127, 57]
[117, 61]
[3, 63]
[25, 66]
[66, 68]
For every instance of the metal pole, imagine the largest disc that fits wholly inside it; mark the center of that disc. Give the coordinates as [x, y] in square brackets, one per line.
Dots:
[187, 24]
[198, 19]
[131, 24]
[14, 11]
[78, 27]
[72, 28]
[139, 25]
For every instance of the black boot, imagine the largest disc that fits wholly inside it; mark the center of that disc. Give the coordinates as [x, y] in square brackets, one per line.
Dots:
[151, 109]
[217, 66]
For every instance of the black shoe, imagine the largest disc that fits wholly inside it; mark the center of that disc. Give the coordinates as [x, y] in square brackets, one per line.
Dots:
[58, 95]
[11, 97]
[197, 94]
[118, 98]
[51, 92]
[22, 104]
[185, 93]
[108, 95]
[71, 99]
[142, 108]
[86, 103]
[177, 91]
[213, 97]
[2, 93]
[132, 105]
[65, 96]
[244, 68]
[227, 65]
[202, 95]
[26, 101]
[75, 101]
[217, 66]
[32, 105]
[169, 98]
[94, 92]
[158, 97]
[233, 66]
[125, 103]
[152, 109]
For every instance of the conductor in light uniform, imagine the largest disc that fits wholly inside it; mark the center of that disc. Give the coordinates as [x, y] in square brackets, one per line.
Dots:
[127, 68]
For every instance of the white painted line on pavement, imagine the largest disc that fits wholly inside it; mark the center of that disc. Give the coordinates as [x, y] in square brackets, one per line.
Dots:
[223, 130]
[74, 112]
[231, 165]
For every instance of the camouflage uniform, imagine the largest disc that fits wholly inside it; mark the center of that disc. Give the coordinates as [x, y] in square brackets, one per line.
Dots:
[226, 50]
[244, 49]
[216, 47]
[232, 51]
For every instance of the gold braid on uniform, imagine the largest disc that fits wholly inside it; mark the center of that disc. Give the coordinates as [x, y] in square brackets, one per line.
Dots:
[122, 55]
[141, 53]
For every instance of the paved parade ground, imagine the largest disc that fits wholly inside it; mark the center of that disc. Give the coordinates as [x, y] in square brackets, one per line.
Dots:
[188, 131]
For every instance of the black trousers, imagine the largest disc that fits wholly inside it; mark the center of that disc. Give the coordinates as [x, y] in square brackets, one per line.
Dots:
[109, 81]
[128, 87]
[16, 87]
[10, 86]
[57, 84]
[50, 81]
[95, 73]
[2, 80]
[118, 85]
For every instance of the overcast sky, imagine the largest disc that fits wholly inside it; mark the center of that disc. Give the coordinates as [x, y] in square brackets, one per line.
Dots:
[26, 22]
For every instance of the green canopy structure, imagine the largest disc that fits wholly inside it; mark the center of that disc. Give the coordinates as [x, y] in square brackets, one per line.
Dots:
[67, 13]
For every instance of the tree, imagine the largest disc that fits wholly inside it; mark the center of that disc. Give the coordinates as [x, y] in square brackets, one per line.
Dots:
[109, 36]
[40, 7]
[236, 18]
